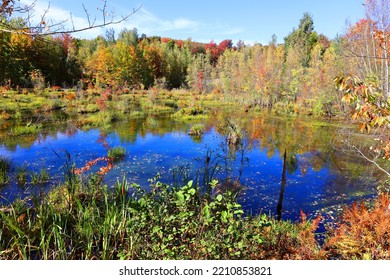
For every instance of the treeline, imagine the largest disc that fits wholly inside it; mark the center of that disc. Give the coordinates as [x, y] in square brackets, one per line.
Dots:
[299, 72]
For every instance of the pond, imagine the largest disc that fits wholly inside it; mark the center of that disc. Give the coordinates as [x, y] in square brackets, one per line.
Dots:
[319, 174]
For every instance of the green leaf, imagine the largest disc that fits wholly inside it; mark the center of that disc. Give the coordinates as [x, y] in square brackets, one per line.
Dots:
[206, 211]
[219, 197]
[192, 191]
[224, 216]
[180, 195]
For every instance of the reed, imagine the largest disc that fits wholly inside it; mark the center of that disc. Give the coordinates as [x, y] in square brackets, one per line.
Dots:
[5, 166]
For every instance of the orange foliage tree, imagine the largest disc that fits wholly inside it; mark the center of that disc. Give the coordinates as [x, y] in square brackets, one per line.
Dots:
[100, 66]
[371, 110]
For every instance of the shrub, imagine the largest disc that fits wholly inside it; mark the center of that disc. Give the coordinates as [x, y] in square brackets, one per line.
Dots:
[363, 232]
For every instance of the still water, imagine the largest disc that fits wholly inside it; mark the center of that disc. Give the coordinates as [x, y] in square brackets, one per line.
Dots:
[320, 175]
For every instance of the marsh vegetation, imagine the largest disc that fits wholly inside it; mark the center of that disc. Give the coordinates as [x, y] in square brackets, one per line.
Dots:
[155, 148]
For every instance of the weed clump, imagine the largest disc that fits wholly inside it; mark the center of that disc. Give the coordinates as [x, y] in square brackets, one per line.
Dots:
[363, 232]
[5, 167]
[117, 153]
[197, 130]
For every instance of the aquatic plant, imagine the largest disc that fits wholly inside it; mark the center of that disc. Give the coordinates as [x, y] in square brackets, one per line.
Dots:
[39, 177]
[234, 133]
[5, 167]
[191, 113]
[176, 222]
[197, 130]
[117, 153]
[21, 175]
[152, 122]
[136, 115]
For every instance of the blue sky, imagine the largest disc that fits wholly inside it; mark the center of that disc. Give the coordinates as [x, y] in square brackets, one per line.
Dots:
[205, 20]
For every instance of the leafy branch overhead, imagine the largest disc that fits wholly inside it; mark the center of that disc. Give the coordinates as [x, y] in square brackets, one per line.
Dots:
[370, 106]
[46, 27]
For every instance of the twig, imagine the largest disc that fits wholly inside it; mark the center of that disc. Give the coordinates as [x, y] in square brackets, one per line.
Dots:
[370, 160]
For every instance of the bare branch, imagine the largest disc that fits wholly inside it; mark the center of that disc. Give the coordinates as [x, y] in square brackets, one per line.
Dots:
[354, 55]
[373, 161]
[43, 28]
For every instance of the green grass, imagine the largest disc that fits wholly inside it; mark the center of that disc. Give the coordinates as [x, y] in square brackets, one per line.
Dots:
[84, 219]
[99, 224]
[193, 113]
[137, 115]
[117, 153]
[40, 177]
[197, 130]
[21, 175]
[5, 166]
[26, 129]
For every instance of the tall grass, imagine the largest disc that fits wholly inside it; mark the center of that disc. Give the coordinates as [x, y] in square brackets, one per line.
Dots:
[38, 177]
[117, 153]
[85, 219]
[21, 175]
[5, 167]
[197, 130]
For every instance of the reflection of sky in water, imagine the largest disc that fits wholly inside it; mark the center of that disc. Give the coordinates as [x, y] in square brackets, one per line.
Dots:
[310, 190]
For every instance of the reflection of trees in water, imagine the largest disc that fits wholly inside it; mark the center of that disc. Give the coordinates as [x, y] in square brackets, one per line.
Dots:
[310, 144]
[26, 141]
[279, 207]
[129, 131]
[366, 147]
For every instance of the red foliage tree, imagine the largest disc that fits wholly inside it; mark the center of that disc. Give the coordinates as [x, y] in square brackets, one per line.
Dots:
[216, 50]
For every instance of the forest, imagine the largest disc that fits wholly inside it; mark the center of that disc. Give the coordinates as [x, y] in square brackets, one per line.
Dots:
[317, 104]
[298, 73]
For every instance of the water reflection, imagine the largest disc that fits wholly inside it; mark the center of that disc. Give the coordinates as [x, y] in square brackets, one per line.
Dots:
[315, 175]
[282, 186]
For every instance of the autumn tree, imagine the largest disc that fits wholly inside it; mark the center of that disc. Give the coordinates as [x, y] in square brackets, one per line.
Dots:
[200, 73]
[155, 61]
[15, 51]
[230, 68]
[131, 67]
[101, 66]
[129, 37]
[215, 51]
[177, 61]
[371, 111]
[367, 44]
[301, 40]
[298, 47]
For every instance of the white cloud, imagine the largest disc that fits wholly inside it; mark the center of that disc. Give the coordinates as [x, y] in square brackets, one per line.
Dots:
[144, 20]
[232, 31]
[147, 21]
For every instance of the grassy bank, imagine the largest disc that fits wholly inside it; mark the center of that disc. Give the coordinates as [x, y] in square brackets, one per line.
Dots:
[91, 109]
